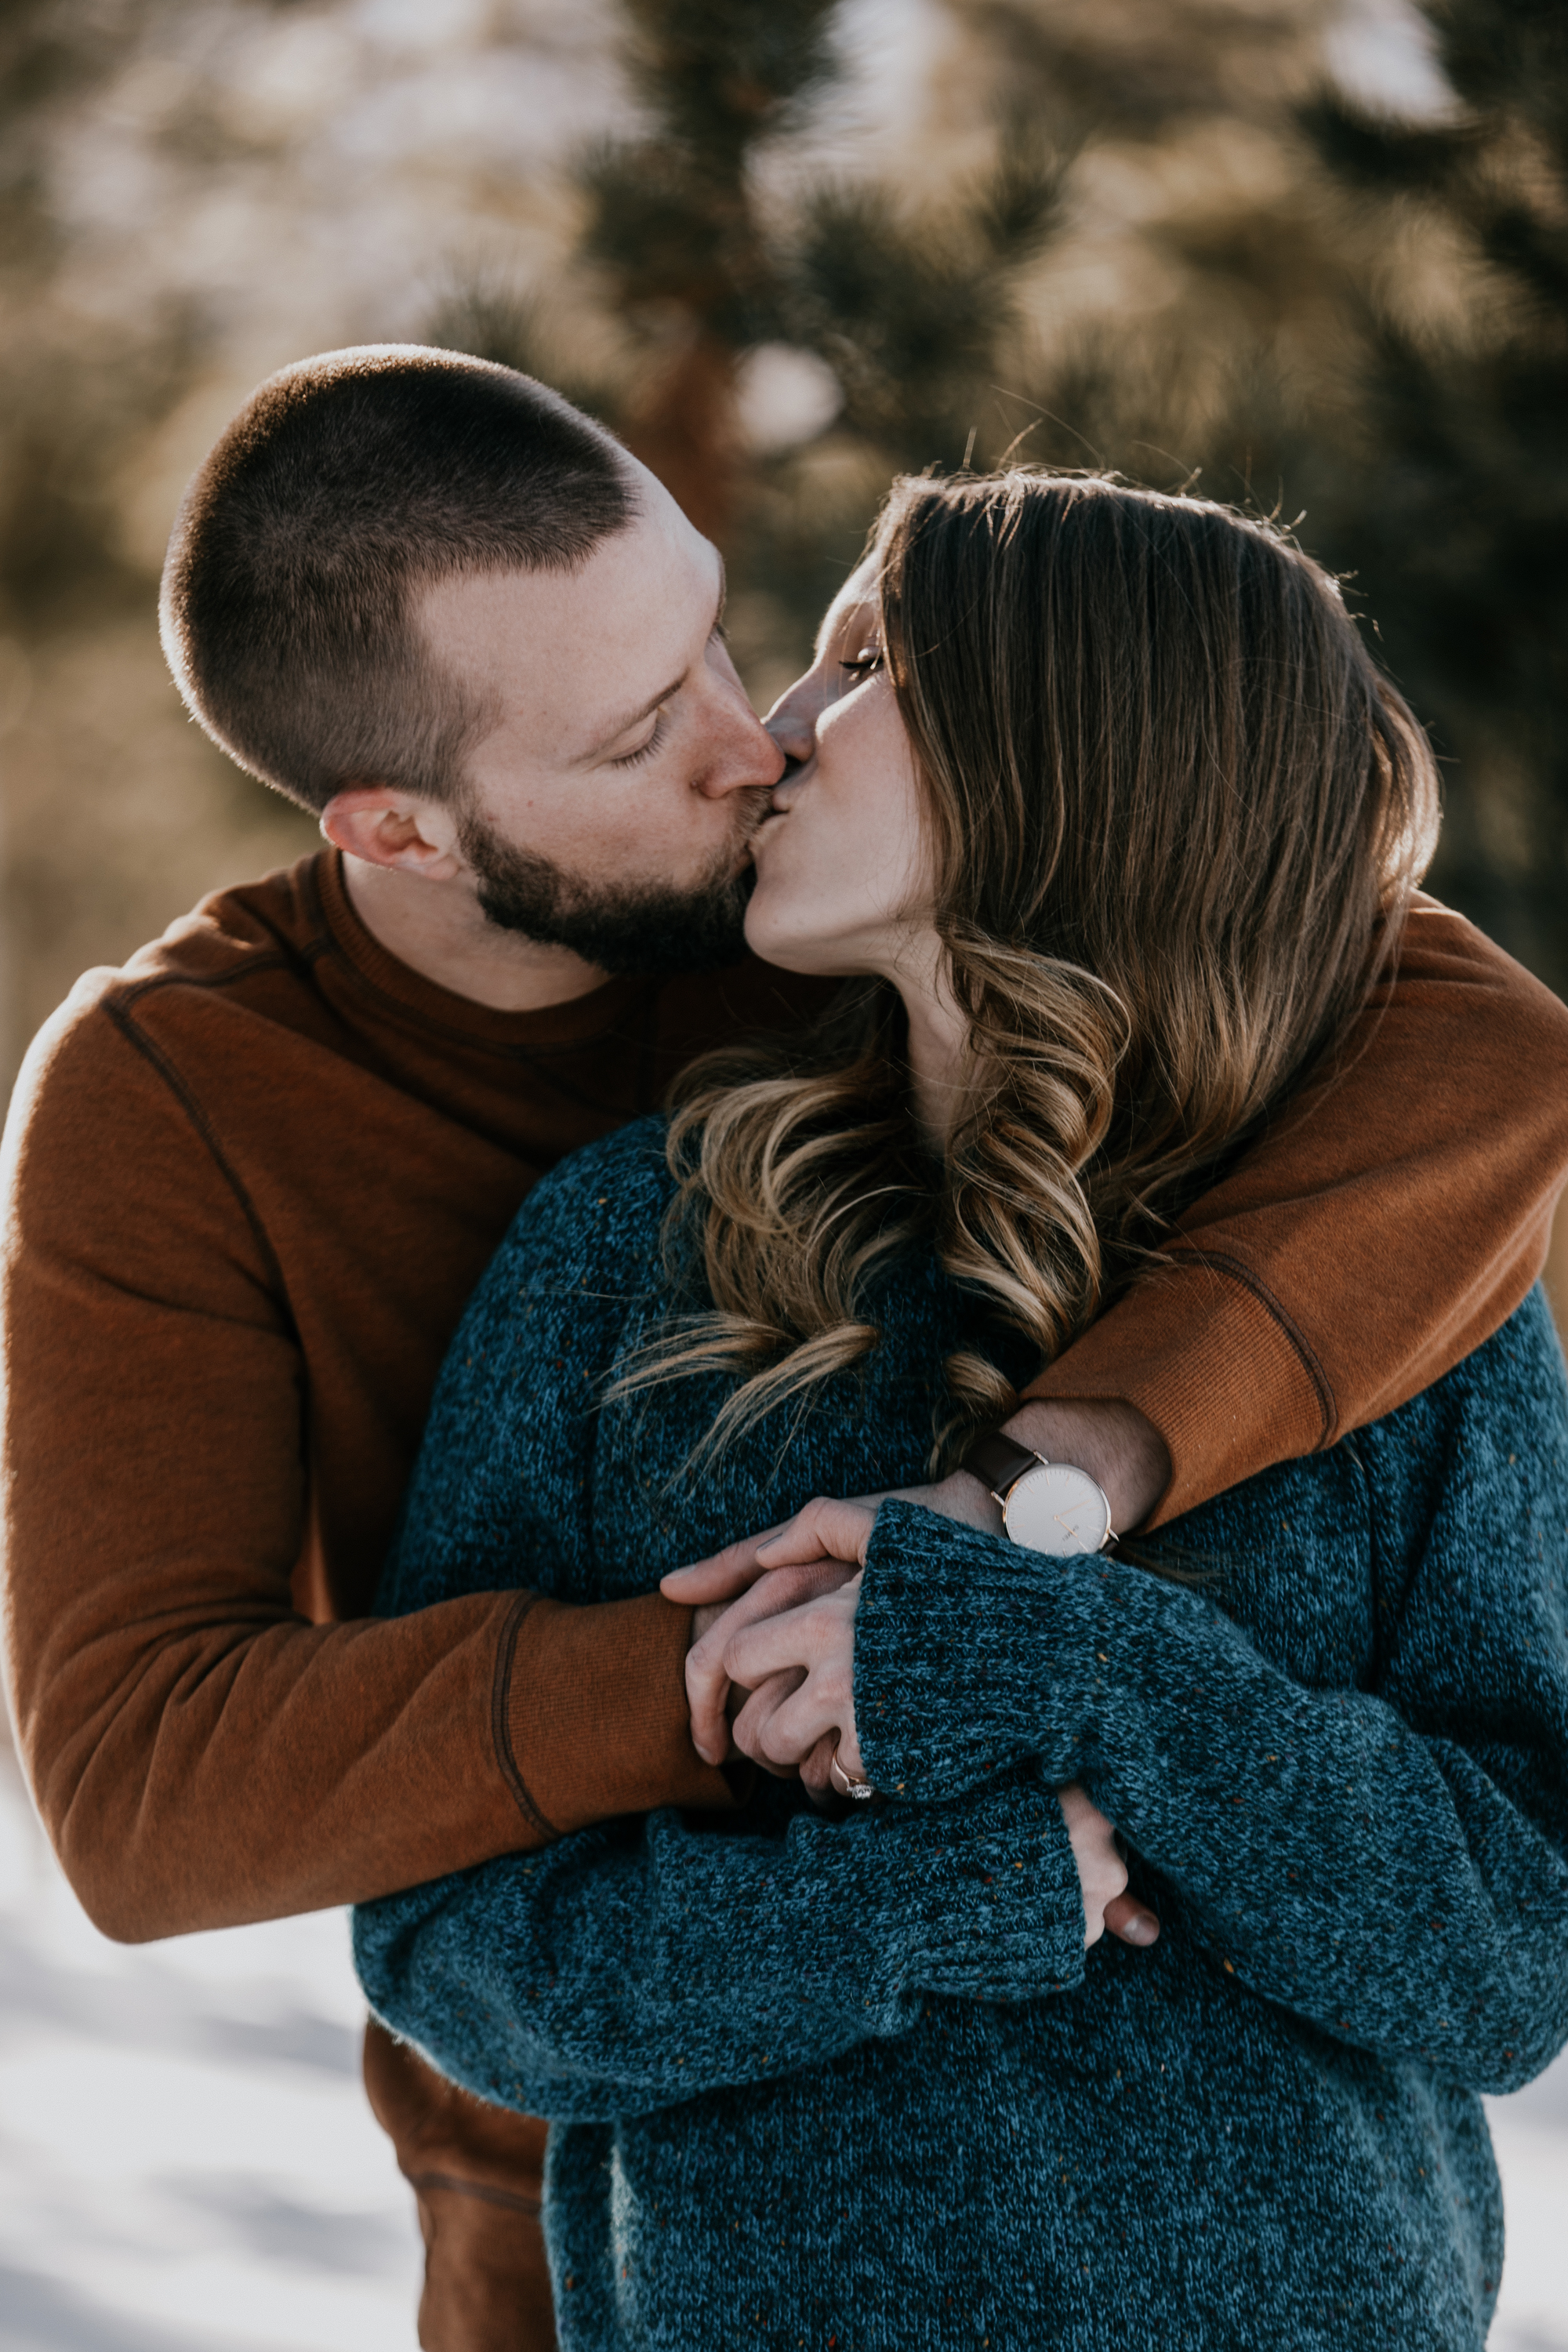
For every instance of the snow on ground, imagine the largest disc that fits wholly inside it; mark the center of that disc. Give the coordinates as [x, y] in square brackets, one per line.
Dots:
[187, 2163]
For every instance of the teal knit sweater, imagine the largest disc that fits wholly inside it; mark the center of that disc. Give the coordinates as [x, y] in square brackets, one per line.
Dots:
[857, 2085]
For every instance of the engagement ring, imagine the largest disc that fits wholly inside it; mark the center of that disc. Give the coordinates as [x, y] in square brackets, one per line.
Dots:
[846, 1784]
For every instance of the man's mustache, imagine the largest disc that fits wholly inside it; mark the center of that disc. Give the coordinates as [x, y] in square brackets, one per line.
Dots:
[755, 807]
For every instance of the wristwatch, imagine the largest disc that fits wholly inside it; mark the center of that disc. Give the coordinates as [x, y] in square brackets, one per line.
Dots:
[1048, 1506]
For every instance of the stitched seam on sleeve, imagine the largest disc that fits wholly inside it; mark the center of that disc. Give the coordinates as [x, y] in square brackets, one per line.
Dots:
[500, 1719]
[299, 960]
[486, 2196]
[142, 1044]
[1223, 1263]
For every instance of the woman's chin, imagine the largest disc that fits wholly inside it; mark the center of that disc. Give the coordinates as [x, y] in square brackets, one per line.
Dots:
[792, 946]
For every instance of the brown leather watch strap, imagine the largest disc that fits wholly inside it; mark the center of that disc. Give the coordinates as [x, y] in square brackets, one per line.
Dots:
[999, 1462]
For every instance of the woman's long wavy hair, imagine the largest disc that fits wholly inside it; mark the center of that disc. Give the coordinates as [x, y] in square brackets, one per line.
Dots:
[1175, 816]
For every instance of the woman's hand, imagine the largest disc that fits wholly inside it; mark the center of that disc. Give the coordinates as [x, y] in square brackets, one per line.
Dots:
[789, 1640]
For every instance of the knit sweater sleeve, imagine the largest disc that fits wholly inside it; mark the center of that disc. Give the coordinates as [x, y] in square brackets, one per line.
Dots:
[1390, 1862]
[632, 1966]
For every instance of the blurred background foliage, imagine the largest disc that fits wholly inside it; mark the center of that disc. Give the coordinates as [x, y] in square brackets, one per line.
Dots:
[1311, 254]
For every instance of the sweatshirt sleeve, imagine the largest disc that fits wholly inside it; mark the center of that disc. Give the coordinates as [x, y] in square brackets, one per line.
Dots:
[1391, 1862]
[200, 1754]
[1393, 1216]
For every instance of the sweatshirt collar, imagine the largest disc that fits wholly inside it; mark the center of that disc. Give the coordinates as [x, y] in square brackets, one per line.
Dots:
[387, 978]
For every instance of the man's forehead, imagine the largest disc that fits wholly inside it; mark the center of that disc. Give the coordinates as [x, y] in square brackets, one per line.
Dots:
[579, 647]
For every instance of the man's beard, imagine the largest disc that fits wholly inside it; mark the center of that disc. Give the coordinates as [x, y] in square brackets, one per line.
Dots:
[648, 927]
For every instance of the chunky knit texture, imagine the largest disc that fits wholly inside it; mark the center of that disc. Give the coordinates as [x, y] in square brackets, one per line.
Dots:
[857, 2082]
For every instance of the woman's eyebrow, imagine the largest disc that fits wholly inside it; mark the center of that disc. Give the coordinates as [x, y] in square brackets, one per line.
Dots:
[834, 624]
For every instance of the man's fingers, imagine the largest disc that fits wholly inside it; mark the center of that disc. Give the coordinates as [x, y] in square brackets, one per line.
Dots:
[823, 1528]
[707, 1698]
[841, 1530]
[1131, 1921]
[721, 1575]
[774, 1595]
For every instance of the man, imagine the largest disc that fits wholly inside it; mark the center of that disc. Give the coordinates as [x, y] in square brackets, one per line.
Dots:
[252, 1177]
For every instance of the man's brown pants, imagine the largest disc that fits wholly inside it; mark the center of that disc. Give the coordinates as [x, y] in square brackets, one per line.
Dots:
[478, 2173]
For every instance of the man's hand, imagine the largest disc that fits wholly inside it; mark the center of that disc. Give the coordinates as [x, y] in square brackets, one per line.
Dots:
[788, 1641]
[1120, 1448]
[1103, 1875]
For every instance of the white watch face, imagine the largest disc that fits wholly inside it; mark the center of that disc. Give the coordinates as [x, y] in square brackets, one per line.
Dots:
[1058, 1509]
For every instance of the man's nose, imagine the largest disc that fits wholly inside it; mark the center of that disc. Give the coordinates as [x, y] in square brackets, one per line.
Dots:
[751, 760]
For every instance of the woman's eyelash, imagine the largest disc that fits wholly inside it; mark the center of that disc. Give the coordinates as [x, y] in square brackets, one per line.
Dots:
[644, 752]
[862, 665]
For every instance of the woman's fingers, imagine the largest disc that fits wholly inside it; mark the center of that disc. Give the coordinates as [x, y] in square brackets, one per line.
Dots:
[820, 1639]
[755, 1708]
[813, 1769]
[818, 1633]
[710, 1665]
[753, 1726]
[806, 1716]
[750, 1580]
[1107, 1908]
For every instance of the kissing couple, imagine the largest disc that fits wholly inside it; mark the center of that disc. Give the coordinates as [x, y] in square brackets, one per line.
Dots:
[750, 1382]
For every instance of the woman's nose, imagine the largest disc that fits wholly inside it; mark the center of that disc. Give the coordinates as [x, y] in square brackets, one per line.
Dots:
[792, 721]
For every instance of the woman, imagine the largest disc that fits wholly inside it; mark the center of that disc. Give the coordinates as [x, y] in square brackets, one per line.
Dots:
[1110, 829]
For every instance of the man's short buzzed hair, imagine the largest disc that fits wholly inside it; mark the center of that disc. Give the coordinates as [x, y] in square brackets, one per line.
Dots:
[346, 485]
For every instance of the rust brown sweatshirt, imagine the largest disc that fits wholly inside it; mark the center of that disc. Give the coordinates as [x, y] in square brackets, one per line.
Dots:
[250, 1181]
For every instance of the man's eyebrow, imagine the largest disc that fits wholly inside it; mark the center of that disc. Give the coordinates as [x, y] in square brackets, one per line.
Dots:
[635, 717]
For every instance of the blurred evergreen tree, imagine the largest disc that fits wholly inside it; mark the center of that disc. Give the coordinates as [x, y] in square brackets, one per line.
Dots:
[894, 321]
[1453, 513]
[76, 392]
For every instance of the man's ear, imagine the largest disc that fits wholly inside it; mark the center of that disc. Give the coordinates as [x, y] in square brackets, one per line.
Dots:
[401, 830]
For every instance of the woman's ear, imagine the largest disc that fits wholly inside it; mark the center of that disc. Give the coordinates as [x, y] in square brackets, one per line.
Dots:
[396, 829]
